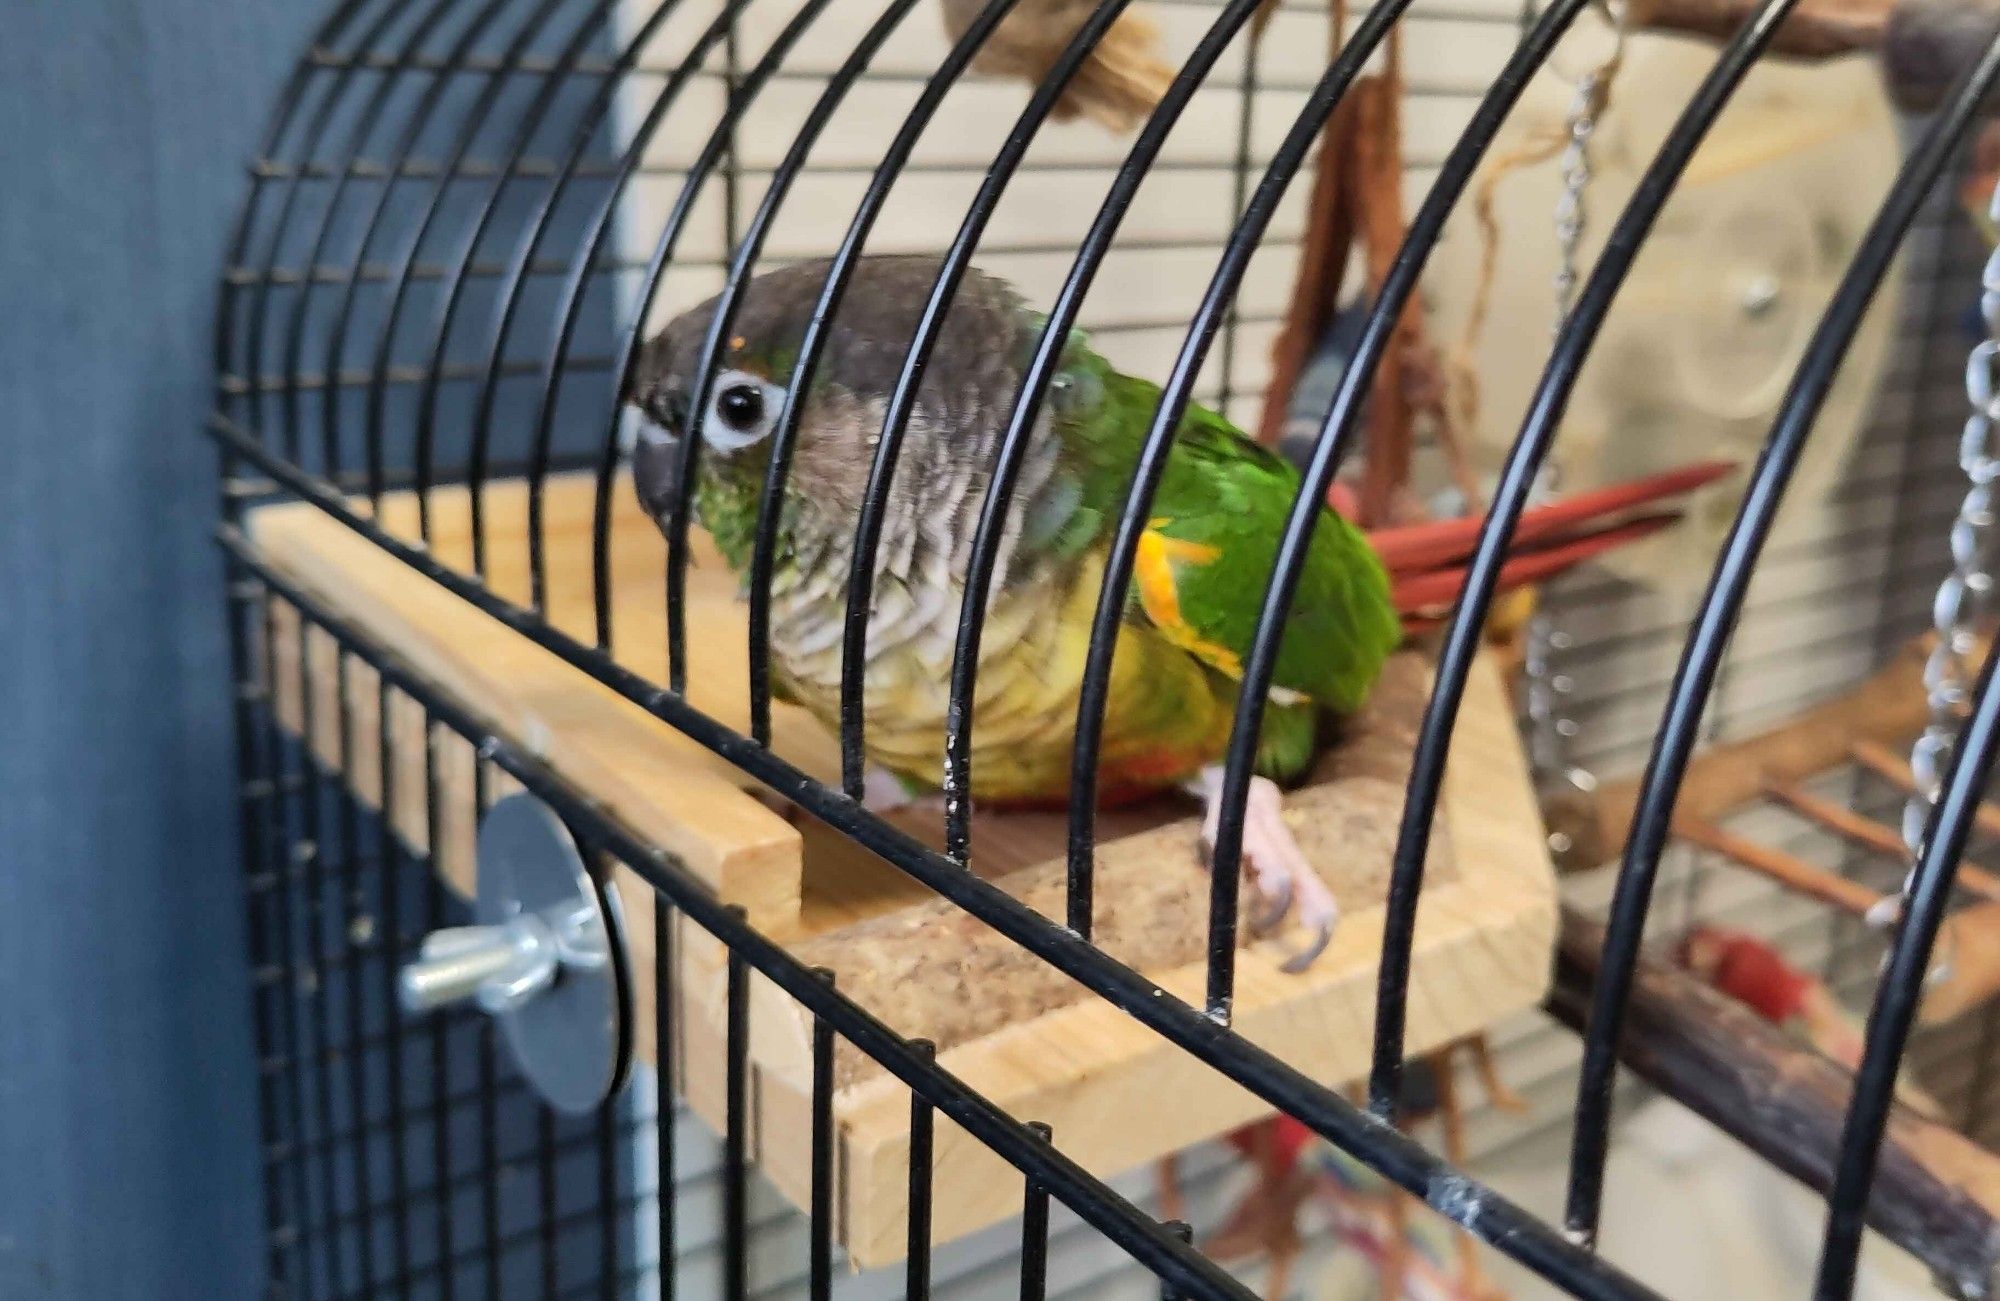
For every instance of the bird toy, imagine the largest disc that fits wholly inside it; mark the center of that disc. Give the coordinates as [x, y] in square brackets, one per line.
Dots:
[1412, 1258]
[1755, 974]
[1117, 85]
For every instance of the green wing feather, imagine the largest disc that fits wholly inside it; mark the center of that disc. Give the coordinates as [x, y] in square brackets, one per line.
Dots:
[1229, 497]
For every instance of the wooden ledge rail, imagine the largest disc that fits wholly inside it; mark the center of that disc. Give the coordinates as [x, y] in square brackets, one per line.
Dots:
[1894, 769]
[1788, 870]
[1007, 1024]
[1887, 708]
[1872, 835]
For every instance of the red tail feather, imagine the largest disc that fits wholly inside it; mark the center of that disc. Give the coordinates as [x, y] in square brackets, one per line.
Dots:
[1427, 562]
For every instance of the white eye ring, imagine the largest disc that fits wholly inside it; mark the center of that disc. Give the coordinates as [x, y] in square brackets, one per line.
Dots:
[742, 409]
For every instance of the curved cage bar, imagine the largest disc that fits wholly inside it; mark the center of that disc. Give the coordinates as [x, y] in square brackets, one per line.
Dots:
[1225, 866]
[403, 267]
[868, 529]
[1428, 224]
[840, 270]
[1035, 384]
[1894, 1012]
[364, 124]
[1510, 498]
[315, 131]
[453, 297]
[570, 174]
[1176, 1263]
[747, 250]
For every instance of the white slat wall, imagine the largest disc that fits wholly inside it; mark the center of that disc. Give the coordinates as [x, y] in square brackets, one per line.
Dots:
[1831, 598]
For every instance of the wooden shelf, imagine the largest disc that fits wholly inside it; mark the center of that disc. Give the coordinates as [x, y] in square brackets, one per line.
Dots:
[1116, 1094]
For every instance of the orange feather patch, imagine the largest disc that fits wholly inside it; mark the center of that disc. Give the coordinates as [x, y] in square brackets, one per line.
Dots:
[1160, 597]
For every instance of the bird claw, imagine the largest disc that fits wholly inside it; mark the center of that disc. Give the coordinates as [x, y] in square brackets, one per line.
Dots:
[1322, 936]
[1265, 922]
[1262, 922]
[1278, 869]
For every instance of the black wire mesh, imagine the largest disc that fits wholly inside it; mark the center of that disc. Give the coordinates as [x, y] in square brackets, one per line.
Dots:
[540, 1204]
[459, 218]
[402, 1157]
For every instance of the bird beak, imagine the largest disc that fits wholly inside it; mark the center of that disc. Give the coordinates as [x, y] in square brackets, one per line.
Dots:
[656, 454]
[656, 473]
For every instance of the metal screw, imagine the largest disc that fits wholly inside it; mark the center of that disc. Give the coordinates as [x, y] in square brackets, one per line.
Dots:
[500, 966]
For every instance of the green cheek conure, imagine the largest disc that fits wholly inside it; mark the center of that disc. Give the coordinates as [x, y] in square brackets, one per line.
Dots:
[1201, 570]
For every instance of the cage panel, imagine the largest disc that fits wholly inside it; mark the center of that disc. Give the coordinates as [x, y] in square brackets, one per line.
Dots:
[452, 249]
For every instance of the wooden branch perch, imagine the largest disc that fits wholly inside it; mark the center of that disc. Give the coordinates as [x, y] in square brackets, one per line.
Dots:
[1923, 44]
[1937, 1194]
[1832, 815]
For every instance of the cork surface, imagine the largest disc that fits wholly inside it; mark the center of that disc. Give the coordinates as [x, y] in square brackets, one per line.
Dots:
[932, 971]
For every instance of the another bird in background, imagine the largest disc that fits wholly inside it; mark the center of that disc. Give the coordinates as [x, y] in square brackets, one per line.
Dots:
[1754, 973]
[1201, 570]
[1117, 85]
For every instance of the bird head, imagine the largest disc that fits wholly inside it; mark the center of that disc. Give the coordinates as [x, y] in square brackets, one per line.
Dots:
[841, 411]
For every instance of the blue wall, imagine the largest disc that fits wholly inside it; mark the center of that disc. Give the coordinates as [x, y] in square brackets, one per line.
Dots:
[127, 1161]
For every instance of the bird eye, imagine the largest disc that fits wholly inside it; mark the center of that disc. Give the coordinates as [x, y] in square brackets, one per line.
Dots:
[739, 411]
[741, 407]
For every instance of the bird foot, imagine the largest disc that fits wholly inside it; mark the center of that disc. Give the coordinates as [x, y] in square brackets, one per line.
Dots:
[1277, 868]
[884, 792]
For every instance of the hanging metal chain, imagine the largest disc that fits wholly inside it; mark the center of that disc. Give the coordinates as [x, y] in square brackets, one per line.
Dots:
[1575, 171]
[1965, 598]
[1565, 786]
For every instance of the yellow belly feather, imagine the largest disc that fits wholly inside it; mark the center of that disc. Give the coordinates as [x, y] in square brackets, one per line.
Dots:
[1166, 714]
